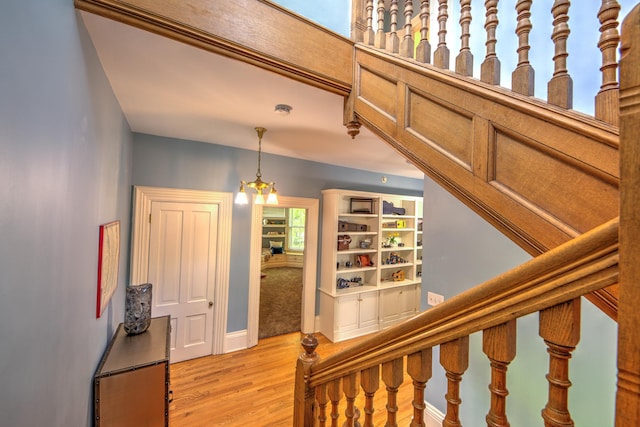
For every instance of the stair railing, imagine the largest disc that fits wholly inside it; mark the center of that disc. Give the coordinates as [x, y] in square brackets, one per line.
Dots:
[412, 31]
[551, 284]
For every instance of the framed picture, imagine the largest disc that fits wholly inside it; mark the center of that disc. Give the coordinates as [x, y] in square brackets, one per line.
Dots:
[108, 260]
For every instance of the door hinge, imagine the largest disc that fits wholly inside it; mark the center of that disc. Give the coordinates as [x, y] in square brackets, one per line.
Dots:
[149, 218]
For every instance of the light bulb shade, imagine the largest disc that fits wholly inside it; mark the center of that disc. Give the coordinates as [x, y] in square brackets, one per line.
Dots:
[272, 199]
[259, 199]
[241, 197]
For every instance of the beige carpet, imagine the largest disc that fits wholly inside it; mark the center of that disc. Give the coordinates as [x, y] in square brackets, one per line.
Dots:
[280, 301]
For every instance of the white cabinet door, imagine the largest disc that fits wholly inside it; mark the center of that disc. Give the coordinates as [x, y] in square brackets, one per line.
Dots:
[408, 301]
[356, 314]
[368, 311]
[347, 313]
[389, 306]
[397, 304]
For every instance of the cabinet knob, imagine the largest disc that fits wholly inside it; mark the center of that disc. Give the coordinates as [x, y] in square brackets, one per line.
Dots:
[210, 303]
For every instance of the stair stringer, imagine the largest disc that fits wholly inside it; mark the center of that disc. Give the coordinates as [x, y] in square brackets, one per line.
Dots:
[539, 174]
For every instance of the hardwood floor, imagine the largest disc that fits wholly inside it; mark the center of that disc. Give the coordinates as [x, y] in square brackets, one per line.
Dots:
[254, 387]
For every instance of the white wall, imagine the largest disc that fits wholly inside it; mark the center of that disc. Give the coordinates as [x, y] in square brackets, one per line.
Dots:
[65, 166]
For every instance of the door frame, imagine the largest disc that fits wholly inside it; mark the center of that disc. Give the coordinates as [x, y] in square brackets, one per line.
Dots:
[143, 197]
[309, 282]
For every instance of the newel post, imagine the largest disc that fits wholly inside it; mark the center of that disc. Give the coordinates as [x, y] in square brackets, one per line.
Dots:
[628, 395]
[304, 396]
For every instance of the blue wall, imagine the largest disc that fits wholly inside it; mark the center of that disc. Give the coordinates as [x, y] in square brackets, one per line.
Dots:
[462, 250]
[65, 168]
[167, 162]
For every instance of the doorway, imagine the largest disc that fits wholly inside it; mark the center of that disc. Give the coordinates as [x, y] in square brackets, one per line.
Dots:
[193, 229]
[283, 239]
[309, 263]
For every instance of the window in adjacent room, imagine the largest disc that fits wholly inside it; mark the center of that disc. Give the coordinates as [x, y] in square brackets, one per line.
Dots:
[296, 224]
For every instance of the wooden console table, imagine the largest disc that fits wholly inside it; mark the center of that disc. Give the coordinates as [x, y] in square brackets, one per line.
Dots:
[131, 385]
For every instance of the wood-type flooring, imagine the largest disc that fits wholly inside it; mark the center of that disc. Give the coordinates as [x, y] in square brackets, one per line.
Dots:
[254, 387]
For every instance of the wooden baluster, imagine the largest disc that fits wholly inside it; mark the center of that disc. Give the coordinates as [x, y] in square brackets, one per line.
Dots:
[607, 100]
[406, 48]
[419, 369]
[490, 68]
[441, 55]
[381, 37]
[560, 329]
[392, 375]
[322, 399]
[369, 36]
[454, 358]
[522, 78]
[369, 381]
[393, 42]
[358, 20]
[464, 60]
[423, 51]
[560, 87]
[350, 388]
[333, 390]
[628, 395]
[304, 395]
[499, 344]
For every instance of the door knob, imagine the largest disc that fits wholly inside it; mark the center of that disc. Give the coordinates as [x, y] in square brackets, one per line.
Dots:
[210, 303]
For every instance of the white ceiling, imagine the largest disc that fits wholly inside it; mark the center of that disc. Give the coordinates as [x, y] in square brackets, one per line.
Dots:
[171, 89]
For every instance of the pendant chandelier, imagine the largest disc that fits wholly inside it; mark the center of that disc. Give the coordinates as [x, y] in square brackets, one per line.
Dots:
[259, 185]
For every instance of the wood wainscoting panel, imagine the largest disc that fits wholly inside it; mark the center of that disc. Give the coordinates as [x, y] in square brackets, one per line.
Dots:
[380, 92]
[541, 175]
[547, 181]
[441, 125]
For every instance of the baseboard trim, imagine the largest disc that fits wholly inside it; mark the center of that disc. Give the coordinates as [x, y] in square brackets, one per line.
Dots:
[234, 341]
[432, 416]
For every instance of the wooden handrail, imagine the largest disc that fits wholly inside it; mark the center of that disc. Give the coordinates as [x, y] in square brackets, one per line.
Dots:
[575, 268]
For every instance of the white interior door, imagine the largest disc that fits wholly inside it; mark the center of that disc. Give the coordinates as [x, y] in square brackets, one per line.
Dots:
[182, 268]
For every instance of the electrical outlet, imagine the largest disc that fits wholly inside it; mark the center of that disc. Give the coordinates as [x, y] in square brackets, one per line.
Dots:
[434, 299]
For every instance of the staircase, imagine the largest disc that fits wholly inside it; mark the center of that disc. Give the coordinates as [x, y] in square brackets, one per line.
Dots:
[546, 176]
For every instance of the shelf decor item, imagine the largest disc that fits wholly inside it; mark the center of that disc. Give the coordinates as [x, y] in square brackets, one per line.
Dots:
[343, 242]
[392, 239]
[389, 209]
[349, 226]
[364, 260]
[398, 276]
[137, 315]
[361, 205]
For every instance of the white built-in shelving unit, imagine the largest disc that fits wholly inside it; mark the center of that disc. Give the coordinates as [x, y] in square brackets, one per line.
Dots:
[368, 284]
